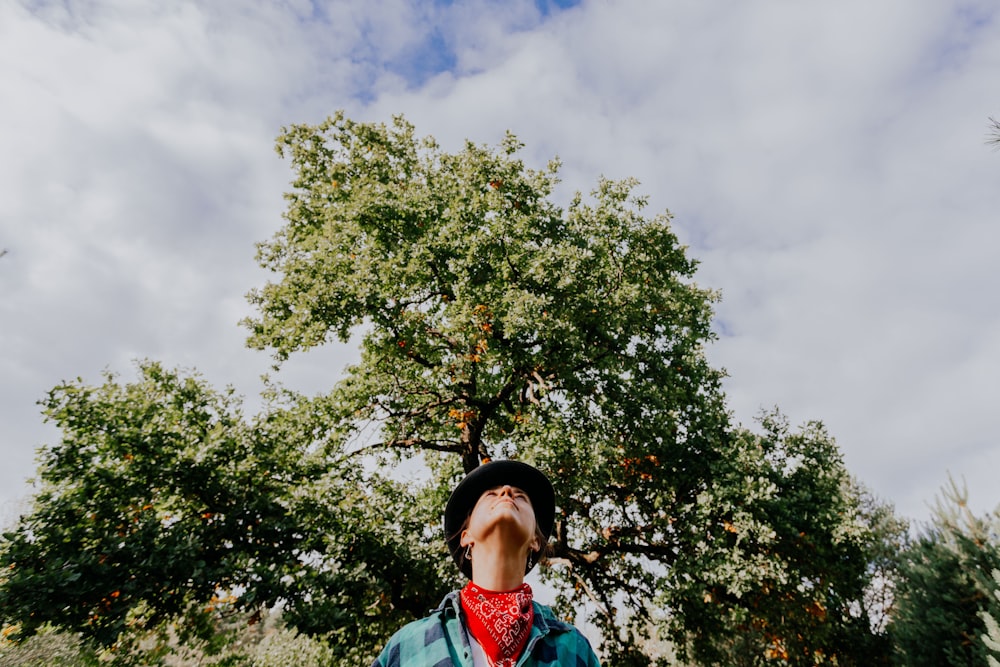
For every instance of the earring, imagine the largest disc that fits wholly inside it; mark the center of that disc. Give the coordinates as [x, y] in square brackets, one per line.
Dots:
[468, 552]
[531, 560]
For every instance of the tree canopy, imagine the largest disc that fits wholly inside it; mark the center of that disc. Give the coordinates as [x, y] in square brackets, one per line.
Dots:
[492, 323]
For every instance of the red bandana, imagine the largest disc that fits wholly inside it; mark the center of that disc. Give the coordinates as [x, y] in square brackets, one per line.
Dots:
[500, 622]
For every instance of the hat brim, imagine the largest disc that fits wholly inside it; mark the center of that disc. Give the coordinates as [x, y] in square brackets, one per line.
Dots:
[488, 476]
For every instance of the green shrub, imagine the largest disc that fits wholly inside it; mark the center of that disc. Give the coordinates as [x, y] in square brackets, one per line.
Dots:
[48, 648]
[288, 647]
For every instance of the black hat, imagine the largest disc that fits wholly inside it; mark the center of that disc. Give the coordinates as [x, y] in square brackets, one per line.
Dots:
[488, 476]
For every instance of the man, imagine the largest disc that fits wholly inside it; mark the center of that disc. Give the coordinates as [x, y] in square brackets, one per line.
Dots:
[497, 523]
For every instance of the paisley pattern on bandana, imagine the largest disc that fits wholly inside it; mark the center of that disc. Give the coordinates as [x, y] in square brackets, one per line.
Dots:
[500, 622]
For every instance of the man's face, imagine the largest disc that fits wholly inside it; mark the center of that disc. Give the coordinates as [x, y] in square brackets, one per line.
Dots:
[503, 511]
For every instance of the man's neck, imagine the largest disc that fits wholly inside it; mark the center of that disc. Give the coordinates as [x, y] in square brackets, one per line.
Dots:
[497, 569]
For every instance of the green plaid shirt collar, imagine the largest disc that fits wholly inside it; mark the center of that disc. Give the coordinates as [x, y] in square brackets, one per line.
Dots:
[441, 640]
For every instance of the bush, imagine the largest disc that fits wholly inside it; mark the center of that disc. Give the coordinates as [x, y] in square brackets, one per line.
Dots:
[288, 647]
[48, 648]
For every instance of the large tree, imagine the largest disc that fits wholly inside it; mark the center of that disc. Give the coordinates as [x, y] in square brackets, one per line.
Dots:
[494, 323]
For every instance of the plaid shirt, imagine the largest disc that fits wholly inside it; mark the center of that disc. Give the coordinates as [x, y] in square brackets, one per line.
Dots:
[441, 640]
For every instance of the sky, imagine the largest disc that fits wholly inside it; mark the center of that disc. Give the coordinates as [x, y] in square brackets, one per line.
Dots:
[827, 163]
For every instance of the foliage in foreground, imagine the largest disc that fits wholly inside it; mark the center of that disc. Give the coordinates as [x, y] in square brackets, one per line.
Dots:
[48, 647]
[237, 641]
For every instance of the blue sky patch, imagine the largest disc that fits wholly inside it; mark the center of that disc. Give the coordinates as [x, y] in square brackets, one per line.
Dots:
[548, 7]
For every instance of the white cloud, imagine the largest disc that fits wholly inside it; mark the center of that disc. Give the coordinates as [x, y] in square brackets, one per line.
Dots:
[828, 167]
[826, 163]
